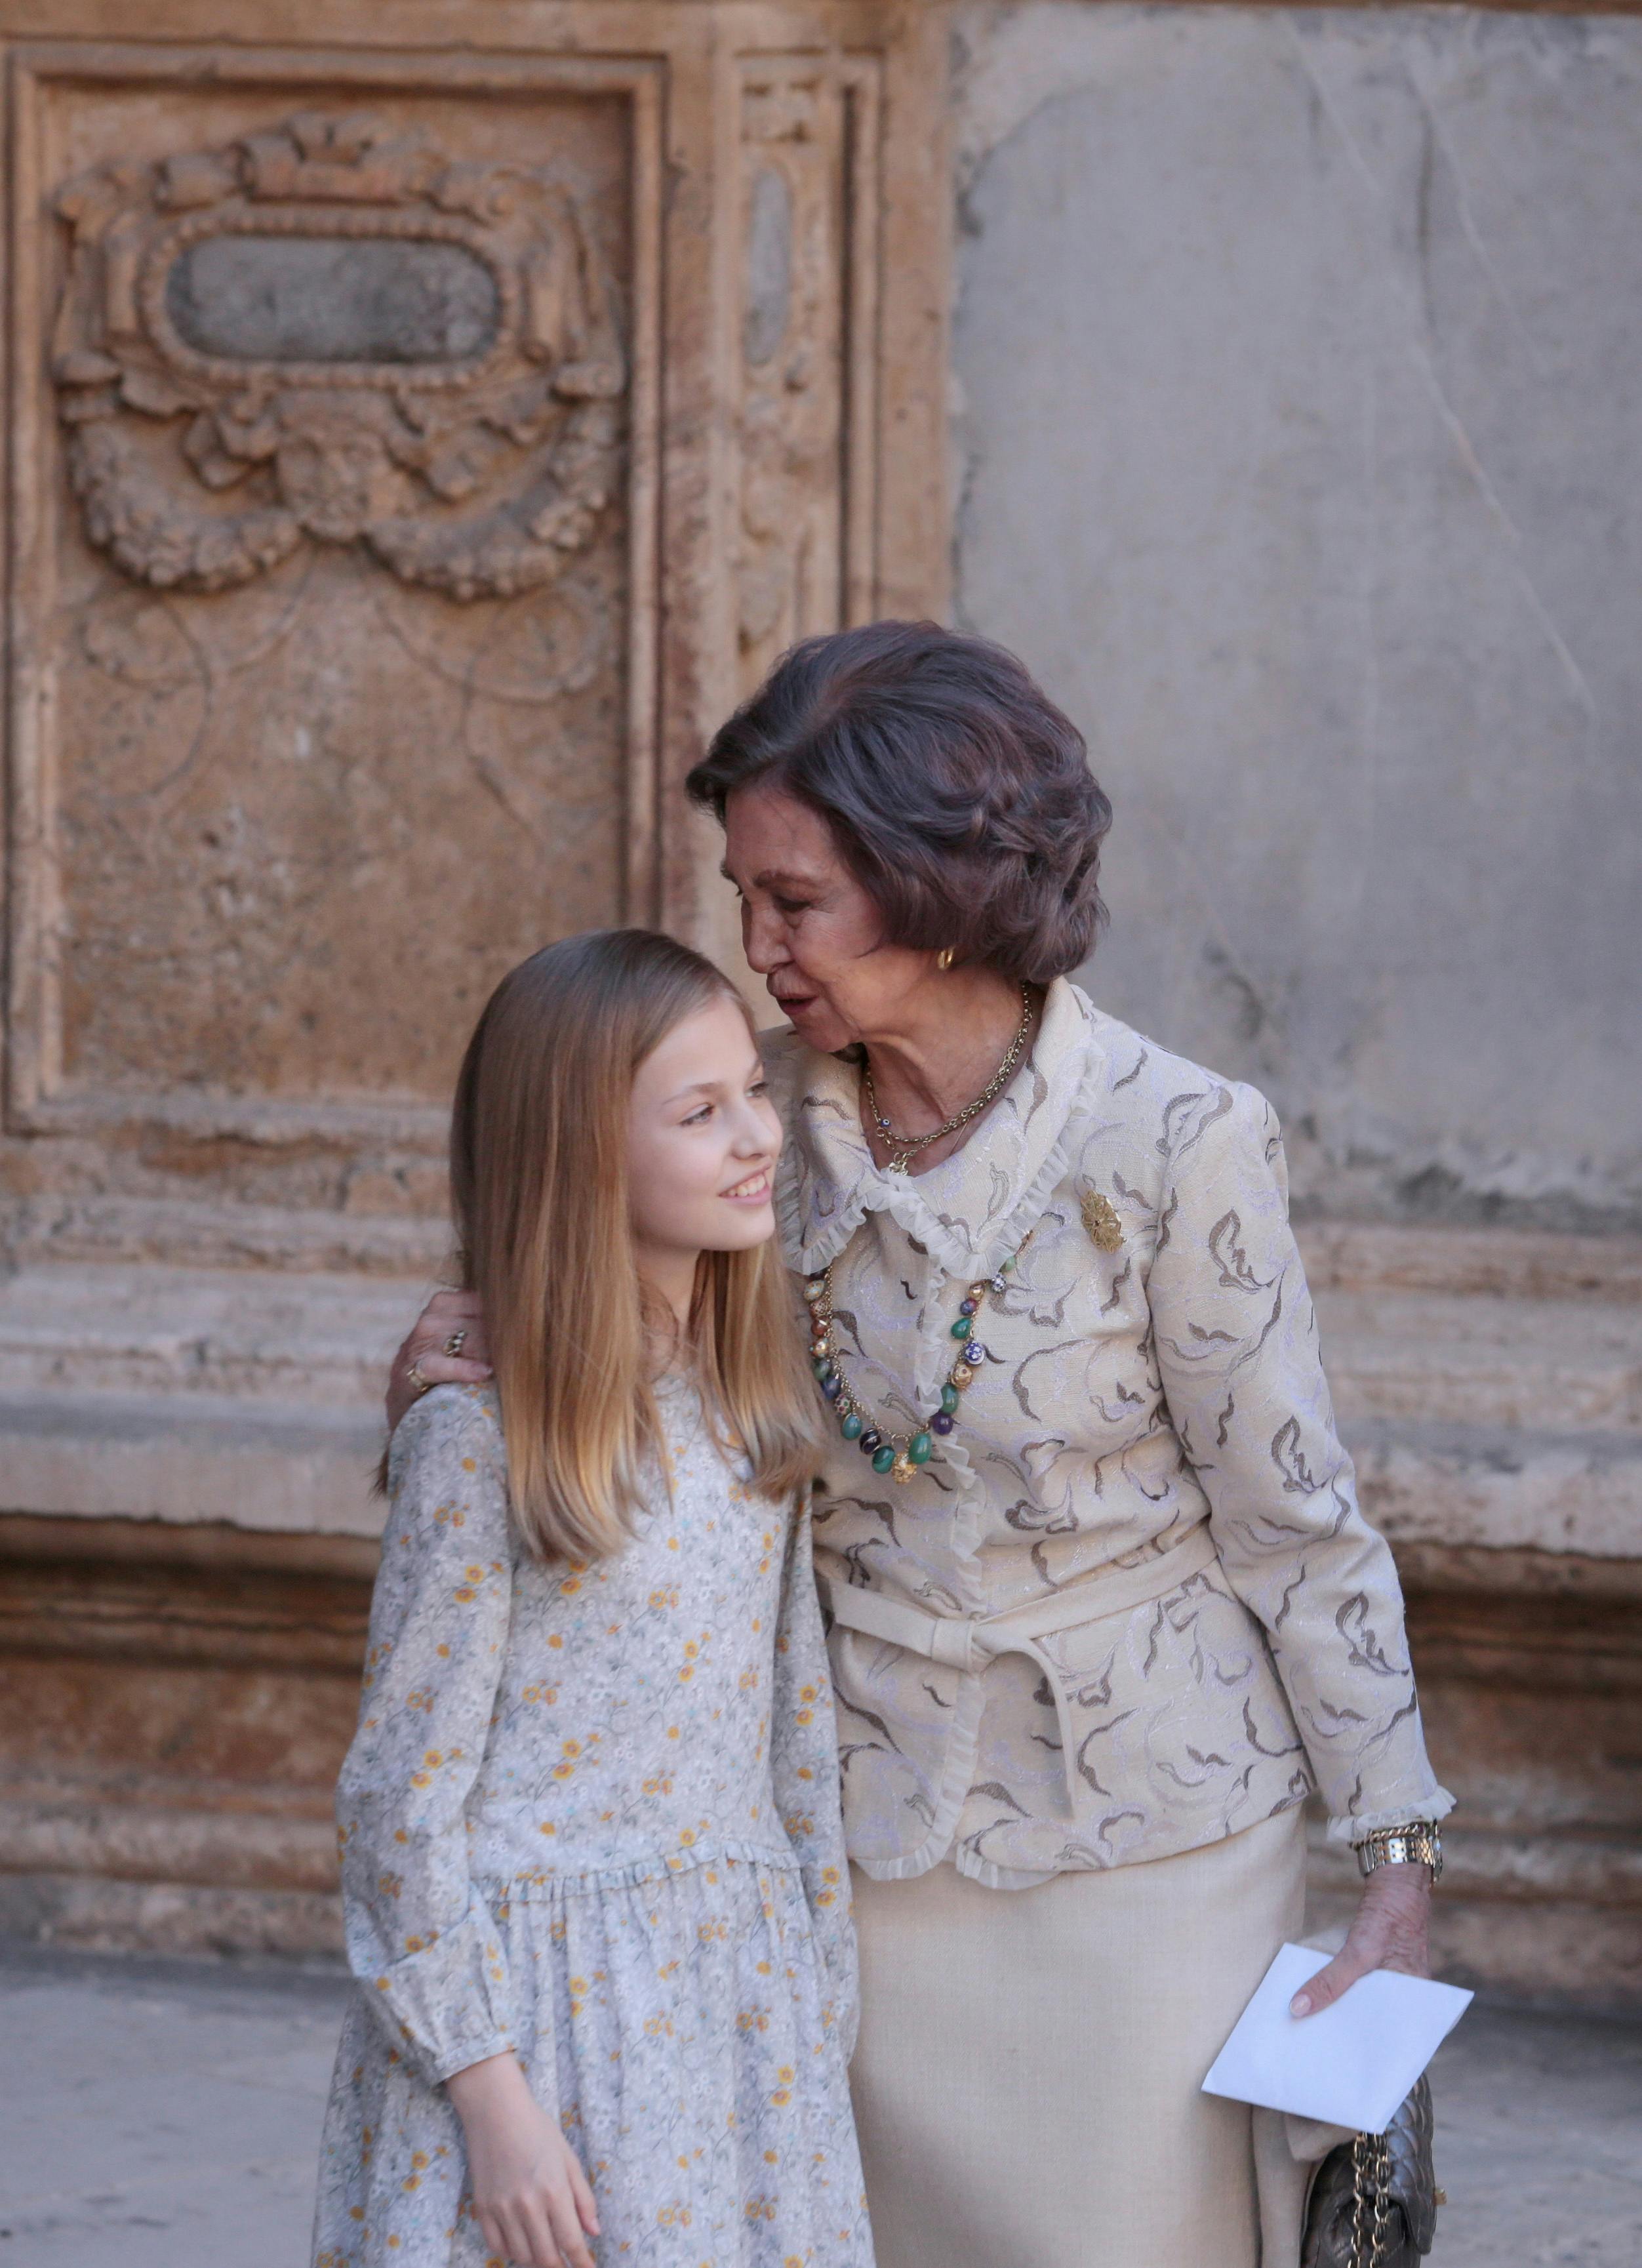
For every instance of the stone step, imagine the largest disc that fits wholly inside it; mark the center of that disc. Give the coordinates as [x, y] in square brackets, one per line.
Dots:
[1499, 1489]
[189, 1232]
[321, 1339]
[254, 1463]
[302, 1468]
[104, 1913]
[1484, 1360]
[326, 1336]
[230, 1848]
[254, 1396]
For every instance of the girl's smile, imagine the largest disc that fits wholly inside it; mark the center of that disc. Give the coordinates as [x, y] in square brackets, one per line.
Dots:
[700, 1111]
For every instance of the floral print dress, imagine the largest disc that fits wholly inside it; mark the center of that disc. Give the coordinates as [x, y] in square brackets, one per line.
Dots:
[591, 1817]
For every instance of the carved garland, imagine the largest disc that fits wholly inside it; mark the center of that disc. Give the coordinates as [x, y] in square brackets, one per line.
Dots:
[478, 473]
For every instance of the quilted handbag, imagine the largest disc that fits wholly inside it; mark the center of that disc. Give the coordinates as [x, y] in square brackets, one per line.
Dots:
[1373, 2202]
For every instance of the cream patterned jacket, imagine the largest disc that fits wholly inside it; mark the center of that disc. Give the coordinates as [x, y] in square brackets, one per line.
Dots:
[1145, 1481]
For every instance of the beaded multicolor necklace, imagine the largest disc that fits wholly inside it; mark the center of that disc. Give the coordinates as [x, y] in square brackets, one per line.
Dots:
[900, 1455]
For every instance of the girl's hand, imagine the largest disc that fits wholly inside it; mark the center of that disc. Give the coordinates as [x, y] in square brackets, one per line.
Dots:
[1390, 1931]
[529, 2188]
[446, 1312]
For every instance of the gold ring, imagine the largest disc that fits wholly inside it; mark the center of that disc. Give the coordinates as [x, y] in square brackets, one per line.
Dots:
[419, 1385]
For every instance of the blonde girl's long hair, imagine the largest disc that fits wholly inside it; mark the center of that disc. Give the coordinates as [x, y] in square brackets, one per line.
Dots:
[539, 1187]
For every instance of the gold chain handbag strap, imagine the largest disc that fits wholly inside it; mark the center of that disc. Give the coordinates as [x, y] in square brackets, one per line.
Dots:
[1374, 2200]
[1371, 2201]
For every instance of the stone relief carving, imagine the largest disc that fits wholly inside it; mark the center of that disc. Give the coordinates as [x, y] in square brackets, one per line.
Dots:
[348, 338]
[791, 367]
[808, 206]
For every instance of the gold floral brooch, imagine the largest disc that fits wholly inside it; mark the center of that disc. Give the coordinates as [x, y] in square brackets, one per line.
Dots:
[1099, 1218]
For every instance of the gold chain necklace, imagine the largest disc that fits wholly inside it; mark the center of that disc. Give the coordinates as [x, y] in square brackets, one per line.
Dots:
[905, 1147]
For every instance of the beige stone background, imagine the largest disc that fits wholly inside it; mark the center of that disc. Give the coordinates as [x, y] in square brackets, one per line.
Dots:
[1266, 378]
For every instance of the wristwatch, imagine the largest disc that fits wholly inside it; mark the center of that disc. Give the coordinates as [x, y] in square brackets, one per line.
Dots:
[1416, 1843]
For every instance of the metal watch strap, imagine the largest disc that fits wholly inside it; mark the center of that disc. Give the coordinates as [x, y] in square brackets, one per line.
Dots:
[1416, 1843]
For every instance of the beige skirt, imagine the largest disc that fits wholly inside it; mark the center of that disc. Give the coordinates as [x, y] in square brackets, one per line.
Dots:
[1027, 2083]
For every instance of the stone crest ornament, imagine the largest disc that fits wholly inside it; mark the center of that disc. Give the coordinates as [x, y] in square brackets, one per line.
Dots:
[1100, 1218]
[331, 332]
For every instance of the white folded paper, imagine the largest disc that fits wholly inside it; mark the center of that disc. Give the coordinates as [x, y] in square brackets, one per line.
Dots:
[1349, 2064]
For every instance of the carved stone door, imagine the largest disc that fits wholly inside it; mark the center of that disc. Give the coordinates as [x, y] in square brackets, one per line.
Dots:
[416, 448]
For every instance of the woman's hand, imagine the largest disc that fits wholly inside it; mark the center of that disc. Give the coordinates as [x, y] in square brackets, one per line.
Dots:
[529, 2189]
[446, 1314]
[1391, 1930]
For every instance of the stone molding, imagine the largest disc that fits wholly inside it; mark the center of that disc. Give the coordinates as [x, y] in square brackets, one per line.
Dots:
[173, 1708]
[809, 197]
[406, 455]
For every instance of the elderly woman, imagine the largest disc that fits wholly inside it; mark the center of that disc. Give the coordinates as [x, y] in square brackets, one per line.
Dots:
[1105, 1611]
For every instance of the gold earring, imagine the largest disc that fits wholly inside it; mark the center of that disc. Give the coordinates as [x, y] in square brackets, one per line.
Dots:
[945, 958]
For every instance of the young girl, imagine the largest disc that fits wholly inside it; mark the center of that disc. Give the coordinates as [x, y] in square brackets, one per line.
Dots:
[593, 1869]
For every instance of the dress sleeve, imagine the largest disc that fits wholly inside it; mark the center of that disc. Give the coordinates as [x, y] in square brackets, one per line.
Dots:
[804, 1768]
[421, 1940]
[1236, 1339]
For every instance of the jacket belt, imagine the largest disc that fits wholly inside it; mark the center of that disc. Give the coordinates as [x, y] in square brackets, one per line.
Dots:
[969, 1642]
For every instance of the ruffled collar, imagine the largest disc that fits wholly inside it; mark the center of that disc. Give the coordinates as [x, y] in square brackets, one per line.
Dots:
[972, 1210]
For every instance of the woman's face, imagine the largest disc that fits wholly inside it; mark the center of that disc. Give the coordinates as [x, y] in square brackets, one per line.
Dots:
[703, 1140]
[808, 927]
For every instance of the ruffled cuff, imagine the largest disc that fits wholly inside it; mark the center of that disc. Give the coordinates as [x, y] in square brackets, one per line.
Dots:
[1435, 1805]
[448, 2003]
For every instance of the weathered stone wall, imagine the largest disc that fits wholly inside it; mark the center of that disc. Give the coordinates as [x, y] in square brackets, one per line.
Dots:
[428, 418]
[1296, 449]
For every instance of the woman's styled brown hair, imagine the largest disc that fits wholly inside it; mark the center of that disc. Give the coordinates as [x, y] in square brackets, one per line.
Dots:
[539, 1187]
[959, 796]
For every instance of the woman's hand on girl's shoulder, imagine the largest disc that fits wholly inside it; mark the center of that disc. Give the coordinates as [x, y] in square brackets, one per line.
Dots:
[532, 2196]
[426, 1350]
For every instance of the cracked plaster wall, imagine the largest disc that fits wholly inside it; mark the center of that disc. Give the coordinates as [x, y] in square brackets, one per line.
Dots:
[1299, 453]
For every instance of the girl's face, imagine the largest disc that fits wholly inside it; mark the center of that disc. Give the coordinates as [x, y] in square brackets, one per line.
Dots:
[809, 928]
[703, 1140]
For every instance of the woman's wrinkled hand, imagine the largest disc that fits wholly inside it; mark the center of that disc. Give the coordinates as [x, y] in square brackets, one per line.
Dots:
[529, 2189]
[1391, 1930]
[446, 1314]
